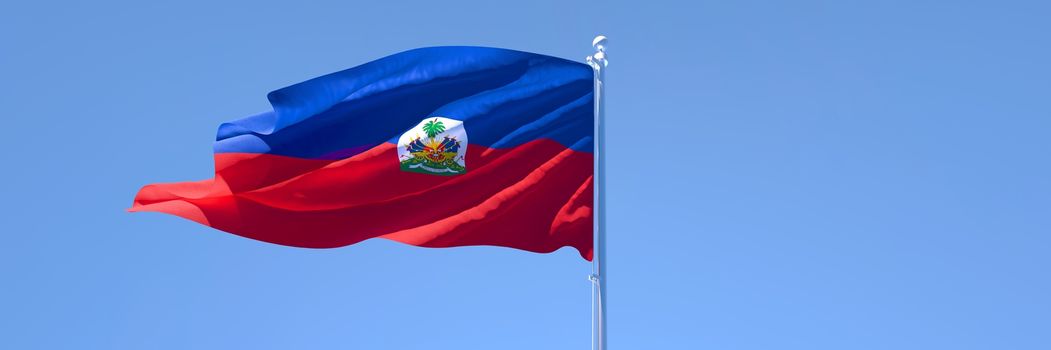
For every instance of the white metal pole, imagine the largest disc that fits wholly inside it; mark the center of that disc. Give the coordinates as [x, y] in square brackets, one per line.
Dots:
[598, 277]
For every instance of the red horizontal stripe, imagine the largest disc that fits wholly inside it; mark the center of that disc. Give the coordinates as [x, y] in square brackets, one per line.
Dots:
[536, 197]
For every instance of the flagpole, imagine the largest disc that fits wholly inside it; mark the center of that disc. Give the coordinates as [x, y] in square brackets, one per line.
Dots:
[598, 276]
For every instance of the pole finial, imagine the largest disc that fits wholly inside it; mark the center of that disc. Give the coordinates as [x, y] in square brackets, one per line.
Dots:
[599, 43]
[598, 59]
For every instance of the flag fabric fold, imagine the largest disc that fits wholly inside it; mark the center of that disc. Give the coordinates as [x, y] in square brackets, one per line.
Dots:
[434, 147]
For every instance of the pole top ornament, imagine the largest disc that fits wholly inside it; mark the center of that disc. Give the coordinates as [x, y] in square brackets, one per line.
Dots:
[598, 59]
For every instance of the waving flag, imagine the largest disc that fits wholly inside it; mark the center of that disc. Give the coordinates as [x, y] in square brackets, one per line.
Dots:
[434, 147]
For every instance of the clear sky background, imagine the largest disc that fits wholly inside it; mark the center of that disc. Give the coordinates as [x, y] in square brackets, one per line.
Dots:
[782, 175]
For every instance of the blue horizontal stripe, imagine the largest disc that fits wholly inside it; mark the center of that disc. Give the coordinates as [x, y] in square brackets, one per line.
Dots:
[504, 97]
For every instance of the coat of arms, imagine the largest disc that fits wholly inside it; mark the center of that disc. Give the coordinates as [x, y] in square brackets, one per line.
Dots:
[436, 146]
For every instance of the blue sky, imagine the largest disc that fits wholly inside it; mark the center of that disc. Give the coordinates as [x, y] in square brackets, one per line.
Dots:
[782, 175]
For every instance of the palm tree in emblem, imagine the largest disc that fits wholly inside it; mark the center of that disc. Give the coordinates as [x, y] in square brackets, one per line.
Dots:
[435, 150]
[433, 128]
